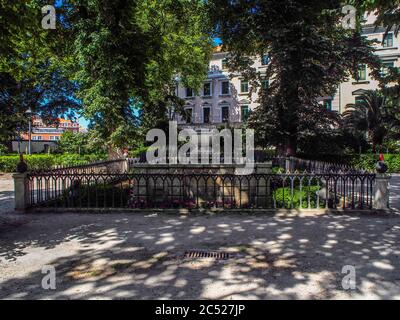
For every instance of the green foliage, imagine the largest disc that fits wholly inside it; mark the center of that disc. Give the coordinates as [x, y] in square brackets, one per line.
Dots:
[33, 68]
[368, 162]
[43, 161]
[128, 55]
[276, 170]
[285, 199]
[373, 114]
[84, 143]
[310, 54]
[138, 151]
[3, 149]
[119, 57]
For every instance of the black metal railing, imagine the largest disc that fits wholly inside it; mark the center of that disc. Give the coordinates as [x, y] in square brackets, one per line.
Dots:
[288, 164]
[224, 191]
[292, 164]
[116, 165]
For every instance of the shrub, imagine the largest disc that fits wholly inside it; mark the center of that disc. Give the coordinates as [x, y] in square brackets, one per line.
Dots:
[46, 161]
[368, 162]
[284, 198]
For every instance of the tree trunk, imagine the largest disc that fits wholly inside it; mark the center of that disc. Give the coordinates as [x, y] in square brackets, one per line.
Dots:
[290, 148]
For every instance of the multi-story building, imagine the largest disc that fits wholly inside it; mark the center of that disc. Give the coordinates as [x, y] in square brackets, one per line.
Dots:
[44, 136]
[225, 96]
[387, 48]
[43, 132]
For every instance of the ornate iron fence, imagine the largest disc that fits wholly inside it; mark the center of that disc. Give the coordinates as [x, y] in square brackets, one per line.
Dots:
[292, 164]
[116, 165]
[224, 191]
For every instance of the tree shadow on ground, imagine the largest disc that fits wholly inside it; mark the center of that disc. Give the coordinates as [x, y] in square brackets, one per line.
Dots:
[140, 256]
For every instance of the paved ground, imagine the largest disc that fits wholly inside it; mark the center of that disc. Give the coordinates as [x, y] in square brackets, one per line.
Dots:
[6, 193]
[395, 191]
[141, 256]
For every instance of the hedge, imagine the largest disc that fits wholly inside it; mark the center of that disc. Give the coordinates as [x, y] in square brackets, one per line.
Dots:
[284, 199]
[8, 163]
[368, 162]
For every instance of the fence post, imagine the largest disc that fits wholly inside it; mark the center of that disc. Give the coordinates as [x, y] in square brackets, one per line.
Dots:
[20, 191]
[125, 165]
[287, 164]
[381, 192]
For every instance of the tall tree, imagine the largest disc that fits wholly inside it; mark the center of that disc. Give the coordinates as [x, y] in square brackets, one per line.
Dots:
[128, 54]
[120, 57]
[310, 54]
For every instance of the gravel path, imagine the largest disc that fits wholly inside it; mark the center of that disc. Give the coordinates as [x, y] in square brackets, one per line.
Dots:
[109, 256]
[6, 193]
[395, 192]
[8, 217]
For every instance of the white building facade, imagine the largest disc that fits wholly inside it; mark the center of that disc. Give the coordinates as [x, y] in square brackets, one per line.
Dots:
[225, 98]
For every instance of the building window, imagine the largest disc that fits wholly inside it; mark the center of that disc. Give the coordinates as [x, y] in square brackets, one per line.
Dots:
[56, 138]
[224, 64]
[207, 89]
[328, 104]
[189, 115]
[52, 138]
[264, 59]
[225, 114]
[362, 72]
[359, 101]
[388, 40]
[244, 86]
[206, 115]
[264, 84]
[225, 87]
[244, 113]
[385, 68]
[189, 92]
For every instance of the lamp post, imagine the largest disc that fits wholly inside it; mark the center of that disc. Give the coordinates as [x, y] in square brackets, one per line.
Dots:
[19, 140]
[29, 114]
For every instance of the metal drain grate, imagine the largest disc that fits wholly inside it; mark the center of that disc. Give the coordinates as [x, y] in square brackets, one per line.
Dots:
[206, 254]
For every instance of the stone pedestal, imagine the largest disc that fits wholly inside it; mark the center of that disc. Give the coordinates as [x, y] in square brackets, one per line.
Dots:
[381, 191]
[20, 191]
[208, 187]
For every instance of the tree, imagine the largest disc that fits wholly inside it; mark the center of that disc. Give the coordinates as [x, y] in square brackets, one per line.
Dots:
[373, 115]
[48, 94]
[128, 54]
[310, 54]
[33, 69]
[81, 142]
[117, 56]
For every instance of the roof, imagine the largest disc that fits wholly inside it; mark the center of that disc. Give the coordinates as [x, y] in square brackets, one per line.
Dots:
[217, 49]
